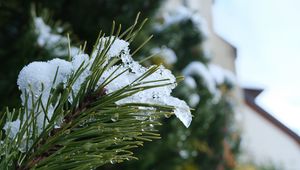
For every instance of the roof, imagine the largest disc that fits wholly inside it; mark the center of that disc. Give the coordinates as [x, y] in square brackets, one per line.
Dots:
[250, 95]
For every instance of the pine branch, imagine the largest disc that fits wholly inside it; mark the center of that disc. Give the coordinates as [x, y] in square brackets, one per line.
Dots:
[66, 127]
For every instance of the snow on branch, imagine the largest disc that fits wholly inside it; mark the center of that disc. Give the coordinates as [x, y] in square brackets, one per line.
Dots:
[54, 42]
[182, 14]
[213, 76]
[37, 81]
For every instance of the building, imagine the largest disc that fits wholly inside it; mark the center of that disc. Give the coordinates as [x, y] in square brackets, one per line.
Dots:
[265, 139]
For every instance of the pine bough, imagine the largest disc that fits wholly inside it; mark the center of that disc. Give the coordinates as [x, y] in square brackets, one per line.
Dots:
[88, 111]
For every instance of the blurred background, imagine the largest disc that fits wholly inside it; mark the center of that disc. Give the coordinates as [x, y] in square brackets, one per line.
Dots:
[239, 59]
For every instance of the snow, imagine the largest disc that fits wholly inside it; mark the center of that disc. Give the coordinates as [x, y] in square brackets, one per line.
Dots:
[45, 35]
[42, 30]
[77, 61]
[12, 128]
[181, 14]
[194, 99]
[133, 70]
[63, 68]
[212, 76]
[158, 95]
[53, 42]
[190, 82]
[184, 154]
[221, 75]
[182, 110]
[37, 79]
[119, 48]
[167, 54]
[39, 76]
[199, 69]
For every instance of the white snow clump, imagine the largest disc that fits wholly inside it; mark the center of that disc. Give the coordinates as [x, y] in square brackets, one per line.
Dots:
[194, 99]
[158, 95]
[211, 75]
[221, 75]
[37, 79]
[181, 14]
[199, 69]
[167, 54]
[12, 128]
[118, 48]
[55, 43]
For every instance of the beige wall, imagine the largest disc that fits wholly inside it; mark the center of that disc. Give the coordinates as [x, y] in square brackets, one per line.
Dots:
[222, 52]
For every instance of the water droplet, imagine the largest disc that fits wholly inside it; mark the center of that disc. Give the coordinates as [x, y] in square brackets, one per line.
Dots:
[183, 137]
[115, 117]
[100, 128]
[152, 118]
[168, 115]
[87, 146]
[112, 161]
[117, 129]
[91, 167]
[68, 131]
[151, 125]
[155, 96]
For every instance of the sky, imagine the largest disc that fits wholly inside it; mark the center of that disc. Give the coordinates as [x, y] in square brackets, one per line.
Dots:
[267, 36]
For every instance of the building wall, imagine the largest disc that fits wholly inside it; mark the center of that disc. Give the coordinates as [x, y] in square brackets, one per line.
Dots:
[263, 142]
[223, 53]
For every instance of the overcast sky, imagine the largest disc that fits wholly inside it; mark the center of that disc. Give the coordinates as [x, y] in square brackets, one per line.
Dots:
[267, 35]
